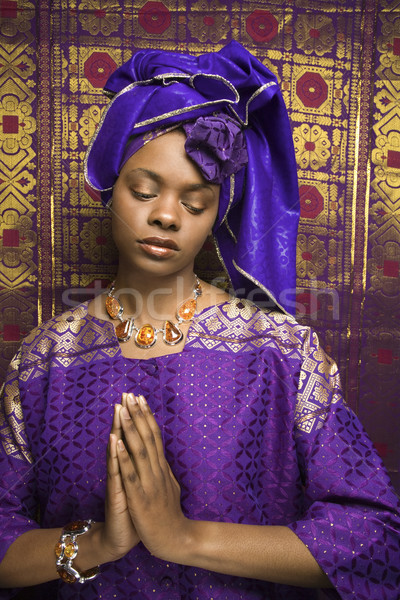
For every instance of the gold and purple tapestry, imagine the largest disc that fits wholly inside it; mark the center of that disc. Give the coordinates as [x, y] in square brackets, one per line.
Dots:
[338, 64]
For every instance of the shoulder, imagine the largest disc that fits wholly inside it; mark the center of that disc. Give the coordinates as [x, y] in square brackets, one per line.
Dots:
[63, 337]
[242, 325]
[69, 321]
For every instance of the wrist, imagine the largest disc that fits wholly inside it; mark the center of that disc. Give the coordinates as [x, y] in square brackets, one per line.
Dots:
[198, 544]
[107, 552]
[183, 543]
[67, 550]
[92, 550]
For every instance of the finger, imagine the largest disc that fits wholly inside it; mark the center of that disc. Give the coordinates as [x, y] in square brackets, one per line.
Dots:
[140, 422]
[152, 424]
[162, 461]
[173, 478]
[129, 475]
[116, 424]
[134, 445]
[114, 482]
[112, 456]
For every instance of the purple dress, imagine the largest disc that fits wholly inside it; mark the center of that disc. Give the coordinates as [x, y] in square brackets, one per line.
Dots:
[255, 430]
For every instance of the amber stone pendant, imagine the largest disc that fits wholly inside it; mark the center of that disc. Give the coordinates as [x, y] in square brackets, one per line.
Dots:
[113, 307]
[145, 337]
[172, 334]
[123, 331]
[187, 309]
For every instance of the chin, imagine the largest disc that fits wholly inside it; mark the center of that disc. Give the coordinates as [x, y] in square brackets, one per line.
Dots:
[154, 267]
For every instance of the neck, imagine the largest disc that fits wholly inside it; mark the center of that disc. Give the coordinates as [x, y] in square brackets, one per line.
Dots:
[154, 298]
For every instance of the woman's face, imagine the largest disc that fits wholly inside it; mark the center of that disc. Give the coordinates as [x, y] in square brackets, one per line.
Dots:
[163, 209]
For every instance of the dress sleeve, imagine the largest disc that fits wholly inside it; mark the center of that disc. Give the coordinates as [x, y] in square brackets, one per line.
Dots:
[351, 519]
[17, 483]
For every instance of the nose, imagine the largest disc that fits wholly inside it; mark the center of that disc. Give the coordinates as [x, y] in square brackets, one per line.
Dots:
[165, 212]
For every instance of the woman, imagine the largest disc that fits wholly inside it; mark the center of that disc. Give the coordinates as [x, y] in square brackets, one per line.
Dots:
[234, 469]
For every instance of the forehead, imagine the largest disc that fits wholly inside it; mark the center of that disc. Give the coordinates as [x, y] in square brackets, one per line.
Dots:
[166, 156]
[172, 141]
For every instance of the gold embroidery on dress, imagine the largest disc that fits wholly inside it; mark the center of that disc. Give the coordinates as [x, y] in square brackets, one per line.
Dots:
[318, 385]
[239, 325]
[64, 340]
[12, 426]
[238, 320]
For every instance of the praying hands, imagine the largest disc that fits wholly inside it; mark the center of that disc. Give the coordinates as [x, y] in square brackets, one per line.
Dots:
[152, 492]
[143, 503]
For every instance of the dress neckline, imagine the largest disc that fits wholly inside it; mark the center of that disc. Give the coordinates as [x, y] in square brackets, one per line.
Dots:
[109, 325]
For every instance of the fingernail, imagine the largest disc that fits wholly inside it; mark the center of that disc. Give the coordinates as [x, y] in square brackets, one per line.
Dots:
[124, 413]
[121, 446]
[142, 400]
[132, 399]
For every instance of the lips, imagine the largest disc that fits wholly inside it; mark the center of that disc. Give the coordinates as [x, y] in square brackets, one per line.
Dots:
[159, 248]
[161, 242]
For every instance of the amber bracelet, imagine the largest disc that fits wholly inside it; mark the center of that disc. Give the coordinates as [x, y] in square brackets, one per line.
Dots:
[66, 550]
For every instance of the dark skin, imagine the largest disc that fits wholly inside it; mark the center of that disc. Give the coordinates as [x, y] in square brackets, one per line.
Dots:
[160, 193]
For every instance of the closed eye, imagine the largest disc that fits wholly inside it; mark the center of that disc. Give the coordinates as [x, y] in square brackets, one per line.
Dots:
[142, 196]
[193, 209]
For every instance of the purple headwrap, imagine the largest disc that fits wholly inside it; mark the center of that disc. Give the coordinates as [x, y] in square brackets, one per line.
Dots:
[219, 99]
[215, 143]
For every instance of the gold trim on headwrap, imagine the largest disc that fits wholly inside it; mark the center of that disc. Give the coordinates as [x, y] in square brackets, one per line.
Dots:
[231, 196]
[256, 93]
[174, 113]
[222, 261]
[260, 286]
[225, 219]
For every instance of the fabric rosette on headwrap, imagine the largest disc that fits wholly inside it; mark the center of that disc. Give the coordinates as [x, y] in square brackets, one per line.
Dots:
[217, 145]
[238, 134]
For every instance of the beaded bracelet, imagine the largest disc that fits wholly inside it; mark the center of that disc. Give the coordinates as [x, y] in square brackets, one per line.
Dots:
[66, 550]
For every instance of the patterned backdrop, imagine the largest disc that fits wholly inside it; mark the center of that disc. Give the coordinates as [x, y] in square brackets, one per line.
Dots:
[338, 63]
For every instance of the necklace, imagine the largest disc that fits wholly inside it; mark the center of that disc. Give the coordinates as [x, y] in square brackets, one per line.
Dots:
[146, 336]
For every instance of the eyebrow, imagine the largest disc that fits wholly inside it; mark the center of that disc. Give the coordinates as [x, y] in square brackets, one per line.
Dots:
[156, 177]
[147, 172]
